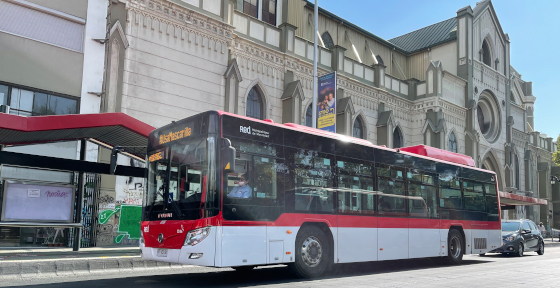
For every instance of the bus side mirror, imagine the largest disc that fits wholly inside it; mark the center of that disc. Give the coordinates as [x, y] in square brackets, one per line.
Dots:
[228, 156]
[114, 156]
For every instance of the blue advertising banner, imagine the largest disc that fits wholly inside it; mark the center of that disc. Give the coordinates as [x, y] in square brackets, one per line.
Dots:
[326, 103]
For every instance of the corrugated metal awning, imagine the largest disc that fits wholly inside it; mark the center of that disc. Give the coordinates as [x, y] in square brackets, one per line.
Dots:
[107, 129]
[511, 199]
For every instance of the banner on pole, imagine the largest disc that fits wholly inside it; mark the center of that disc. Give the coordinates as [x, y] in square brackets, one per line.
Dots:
[326, 102]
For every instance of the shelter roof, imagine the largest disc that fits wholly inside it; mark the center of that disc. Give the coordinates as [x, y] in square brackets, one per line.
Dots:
[106, 129]
[511, 199]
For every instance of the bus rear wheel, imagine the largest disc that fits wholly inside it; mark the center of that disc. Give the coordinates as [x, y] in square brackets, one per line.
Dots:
[312, 253]
[454, 247]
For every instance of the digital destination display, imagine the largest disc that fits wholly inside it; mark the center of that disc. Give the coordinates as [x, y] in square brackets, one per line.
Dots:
[173, 136]
[155, 157]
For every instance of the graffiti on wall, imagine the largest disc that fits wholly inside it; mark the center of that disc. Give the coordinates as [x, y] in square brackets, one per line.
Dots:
[120, 211]
[128, 222]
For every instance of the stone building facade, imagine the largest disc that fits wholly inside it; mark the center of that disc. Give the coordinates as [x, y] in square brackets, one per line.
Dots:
[449, 85]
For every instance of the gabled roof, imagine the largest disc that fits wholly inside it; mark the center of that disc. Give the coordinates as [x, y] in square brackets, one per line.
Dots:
[291, 90]
[426, 37]
[354, 26]
[343, 104]
[480, 7]
[384, 118]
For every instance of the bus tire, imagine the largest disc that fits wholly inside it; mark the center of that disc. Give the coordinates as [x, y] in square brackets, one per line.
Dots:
[312, 253]
[454, 247]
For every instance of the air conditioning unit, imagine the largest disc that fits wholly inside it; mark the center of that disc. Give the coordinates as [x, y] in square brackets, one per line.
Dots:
[4, 109]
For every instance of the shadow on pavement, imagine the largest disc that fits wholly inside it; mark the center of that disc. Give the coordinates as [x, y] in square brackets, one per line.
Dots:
[508, 255]
[261, 276]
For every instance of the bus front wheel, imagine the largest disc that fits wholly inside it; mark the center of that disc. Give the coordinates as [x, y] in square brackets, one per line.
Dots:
[454, 247]
[312, 253]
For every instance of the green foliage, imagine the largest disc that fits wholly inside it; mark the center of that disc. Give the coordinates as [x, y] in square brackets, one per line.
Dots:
[556, 155]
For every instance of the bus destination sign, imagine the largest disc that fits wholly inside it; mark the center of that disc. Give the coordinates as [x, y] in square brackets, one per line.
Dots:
[173, 136]
[155, 157]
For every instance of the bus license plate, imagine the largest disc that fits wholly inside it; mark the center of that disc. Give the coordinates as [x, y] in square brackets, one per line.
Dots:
[161, 253]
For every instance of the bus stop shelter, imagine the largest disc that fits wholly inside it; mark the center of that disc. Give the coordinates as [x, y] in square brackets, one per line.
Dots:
[510, 199]
[105, 129]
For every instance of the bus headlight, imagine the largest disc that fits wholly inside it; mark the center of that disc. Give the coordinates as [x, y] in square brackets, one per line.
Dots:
[141, 237]
[196, 236]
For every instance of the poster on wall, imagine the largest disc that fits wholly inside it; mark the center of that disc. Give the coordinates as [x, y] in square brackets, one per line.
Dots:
[326, 102]
[38, 203]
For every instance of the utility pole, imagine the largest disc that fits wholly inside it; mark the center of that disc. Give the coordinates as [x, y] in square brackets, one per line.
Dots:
[314, 96]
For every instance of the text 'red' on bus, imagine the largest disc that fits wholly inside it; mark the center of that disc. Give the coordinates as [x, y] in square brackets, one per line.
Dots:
[230, 191]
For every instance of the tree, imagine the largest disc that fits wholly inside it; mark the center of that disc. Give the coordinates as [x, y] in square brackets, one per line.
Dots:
[556, 155]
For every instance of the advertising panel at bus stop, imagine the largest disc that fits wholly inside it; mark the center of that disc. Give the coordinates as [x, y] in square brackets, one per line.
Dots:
[326, 102]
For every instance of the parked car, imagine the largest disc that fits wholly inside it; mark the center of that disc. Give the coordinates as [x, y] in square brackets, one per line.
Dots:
[520, 236]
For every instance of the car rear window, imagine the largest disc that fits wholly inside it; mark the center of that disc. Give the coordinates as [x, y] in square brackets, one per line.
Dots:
[510, 226]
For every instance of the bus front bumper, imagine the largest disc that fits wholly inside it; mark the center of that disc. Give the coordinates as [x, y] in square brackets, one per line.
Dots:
[201, 254]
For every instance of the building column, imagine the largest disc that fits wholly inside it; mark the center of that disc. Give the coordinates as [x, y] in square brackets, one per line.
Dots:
[465, 71]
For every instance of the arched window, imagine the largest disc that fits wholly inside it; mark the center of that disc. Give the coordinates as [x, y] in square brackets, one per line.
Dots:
[452, 142]
[483, 120]
[379, 60]
[327, 40]
[397, 138]
[255, 104]
[516, 172]
[358, 130]
[309, 116]
[486, 57]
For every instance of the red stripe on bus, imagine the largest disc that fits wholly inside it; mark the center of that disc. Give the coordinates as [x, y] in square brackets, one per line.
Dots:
[341, 221]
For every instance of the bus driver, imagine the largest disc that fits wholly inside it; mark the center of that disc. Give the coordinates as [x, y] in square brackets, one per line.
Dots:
[242, 190]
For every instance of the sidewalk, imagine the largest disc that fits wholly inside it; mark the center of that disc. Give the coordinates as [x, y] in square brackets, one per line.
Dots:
[37, 263]
[551, 243]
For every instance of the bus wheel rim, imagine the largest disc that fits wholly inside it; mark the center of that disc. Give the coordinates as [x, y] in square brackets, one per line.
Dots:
[455, 247]
[311, 251]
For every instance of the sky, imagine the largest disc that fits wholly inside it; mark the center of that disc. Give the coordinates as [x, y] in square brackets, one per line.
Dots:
[533, 28]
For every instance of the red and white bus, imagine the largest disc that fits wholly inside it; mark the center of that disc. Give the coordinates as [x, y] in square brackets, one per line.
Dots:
[230, 191]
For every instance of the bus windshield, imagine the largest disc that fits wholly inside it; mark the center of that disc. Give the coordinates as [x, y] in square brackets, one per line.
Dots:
[177, 178]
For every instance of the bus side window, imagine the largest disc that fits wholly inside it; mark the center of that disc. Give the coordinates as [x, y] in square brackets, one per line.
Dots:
[473, 196]
[313, 173]
[491, 201]
[354, 183]
[425, 207]
[264, 177]
[450, 195]
[390, 181]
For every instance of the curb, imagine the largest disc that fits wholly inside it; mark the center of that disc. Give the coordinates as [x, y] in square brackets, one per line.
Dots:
[13, 270]
[551, 244]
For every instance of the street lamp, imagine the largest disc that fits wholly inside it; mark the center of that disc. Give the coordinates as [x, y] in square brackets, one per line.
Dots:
[553, 180]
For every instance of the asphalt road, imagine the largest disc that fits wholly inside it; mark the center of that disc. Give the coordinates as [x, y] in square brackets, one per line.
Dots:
[488, 271]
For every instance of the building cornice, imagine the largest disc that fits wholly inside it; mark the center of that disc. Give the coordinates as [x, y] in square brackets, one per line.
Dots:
[178, 16]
